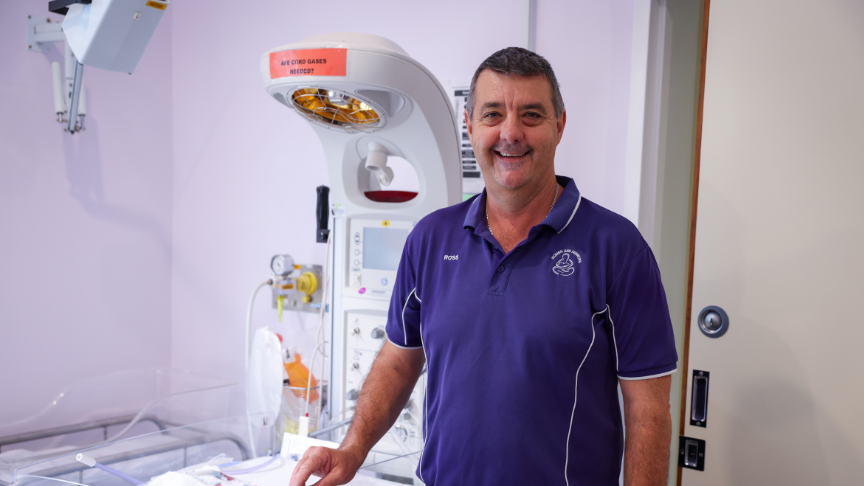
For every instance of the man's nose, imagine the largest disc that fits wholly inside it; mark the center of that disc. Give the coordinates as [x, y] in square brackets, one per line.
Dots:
[511, 130]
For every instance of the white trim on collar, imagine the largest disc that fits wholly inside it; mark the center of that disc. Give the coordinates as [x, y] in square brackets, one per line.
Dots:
[578, 202]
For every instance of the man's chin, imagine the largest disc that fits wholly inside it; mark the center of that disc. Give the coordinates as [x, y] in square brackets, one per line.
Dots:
[511, 179]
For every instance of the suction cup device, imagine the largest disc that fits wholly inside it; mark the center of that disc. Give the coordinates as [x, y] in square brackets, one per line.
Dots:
[376, 163]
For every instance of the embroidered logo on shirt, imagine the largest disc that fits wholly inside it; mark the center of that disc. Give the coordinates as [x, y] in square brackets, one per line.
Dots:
[451, 257]
[564, 265]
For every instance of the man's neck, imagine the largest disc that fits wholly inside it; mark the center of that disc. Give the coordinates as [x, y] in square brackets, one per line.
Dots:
[512, 213]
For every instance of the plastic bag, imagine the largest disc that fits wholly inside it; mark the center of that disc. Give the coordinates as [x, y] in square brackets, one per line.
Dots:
[264, 376]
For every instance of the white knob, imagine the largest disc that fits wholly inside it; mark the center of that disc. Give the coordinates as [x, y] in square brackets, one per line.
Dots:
[376, 162]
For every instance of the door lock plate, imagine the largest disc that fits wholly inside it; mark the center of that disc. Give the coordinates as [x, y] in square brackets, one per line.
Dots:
[691, 453]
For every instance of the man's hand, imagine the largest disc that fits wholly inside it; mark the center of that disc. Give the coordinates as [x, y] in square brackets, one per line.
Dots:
[648, 431]
[385, 392]
[335, 466]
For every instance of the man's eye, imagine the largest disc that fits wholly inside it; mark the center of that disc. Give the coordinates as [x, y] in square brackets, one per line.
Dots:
[490, 115]
[532, 115]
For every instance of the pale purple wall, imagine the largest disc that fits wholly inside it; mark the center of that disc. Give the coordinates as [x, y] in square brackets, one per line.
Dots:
[137, 242]
[85, 233]
[246, 167]
[588, 44]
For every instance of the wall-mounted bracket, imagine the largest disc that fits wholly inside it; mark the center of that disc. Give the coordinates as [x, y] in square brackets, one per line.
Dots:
[290, 291]
[42, 32]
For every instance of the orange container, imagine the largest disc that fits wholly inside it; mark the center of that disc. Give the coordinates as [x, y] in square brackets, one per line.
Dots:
[298, 377]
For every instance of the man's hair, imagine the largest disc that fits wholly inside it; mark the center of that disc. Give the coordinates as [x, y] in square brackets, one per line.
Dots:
[516, 61]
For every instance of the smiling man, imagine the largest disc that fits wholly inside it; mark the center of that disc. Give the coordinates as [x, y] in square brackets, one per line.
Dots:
[552, 303]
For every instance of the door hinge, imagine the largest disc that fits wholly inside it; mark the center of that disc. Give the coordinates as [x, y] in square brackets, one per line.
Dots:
[691, 453]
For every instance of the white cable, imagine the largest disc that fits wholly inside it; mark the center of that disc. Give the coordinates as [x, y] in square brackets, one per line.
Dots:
[318, 336]
[246, 349]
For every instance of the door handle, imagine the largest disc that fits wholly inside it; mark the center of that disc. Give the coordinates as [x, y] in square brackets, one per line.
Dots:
[713, 321]
[699, 398]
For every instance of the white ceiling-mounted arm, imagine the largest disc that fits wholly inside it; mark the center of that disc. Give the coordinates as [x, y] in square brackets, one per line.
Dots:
[41, 33]
[376, 162]
[59, 99]
[108, 34]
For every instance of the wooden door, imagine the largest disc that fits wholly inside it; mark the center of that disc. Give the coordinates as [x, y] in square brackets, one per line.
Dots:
[779, 246]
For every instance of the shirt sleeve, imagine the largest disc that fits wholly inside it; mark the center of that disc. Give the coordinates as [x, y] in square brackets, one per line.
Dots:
[403, 318]
[639, 315]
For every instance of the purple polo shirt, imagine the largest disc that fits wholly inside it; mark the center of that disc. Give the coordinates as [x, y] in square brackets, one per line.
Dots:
[524, 350]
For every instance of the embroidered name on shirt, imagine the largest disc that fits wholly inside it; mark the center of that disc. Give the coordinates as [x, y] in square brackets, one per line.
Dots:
[451, 257]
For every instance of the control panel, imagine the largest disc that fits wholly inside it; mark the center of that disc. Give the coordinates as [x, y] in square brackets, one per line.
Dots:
[374, 250]
[365, 335]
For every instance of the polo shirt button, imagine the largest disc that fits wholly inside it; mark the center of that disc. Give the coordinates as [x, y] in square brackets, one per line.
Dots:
[500, 268]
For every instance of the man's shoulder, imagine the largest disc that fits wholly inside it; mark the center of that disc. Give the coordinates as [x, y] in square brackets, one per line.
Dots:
[608, 226]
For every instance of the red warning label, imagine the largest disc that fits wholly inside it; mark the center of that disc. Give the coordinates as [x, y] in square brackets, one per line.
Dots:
[308, 62]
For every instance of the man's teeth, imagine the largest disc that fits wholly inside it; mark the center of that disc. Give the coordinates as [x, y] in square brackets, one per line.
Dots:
[511, 155]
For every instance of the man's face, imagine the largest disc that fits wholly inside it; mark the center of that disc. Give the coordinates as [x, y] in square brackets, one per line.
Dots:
[514, 130]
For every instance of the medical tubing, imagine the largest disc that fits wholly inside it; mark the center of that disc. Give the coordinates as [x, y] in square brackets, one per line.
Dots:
[318, 335]
[254, 468]
[111, 470]
[153, 402]
[391, 459]
[331, 427]
[398, 442]
[246, 350]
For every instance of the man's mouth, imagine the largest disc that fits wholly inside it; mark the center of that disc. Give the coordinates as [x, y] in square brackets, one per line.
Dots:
[511, 155]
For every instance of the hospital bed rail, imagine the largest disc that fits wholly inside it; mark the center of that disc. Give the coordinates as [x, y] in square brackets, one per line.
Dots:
[104, 424]
[140, 456]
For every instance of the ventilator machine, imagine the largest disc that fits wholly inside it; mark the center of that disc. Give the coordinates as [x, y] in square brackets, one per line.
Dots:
[369, 101]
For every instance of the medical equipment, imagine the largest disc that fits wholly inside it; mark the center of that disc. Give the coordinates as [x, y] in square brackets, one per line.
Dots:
[472, 178]
[111, 408]
[198, 454]
[106, 34]
[90, 462]
[369, 101]
[141, 457]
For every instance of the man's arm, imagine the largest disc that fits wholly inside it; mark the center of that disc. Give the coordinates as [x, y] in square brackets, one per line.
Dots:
[383, 396]
[648, 431]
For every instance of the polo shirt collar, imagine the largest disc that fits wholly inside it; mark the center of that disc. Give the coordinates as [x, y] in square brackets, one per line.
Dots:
[558, 219]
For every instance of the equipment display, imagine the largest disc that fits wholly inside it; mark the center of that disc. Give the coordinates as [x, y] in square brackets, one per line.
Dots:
[383, 247]
[368, 100]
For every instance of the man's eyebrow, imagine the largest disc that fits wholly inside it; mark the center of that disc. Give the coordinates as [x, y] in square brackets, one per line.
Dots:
[490, 104]
[530, 106]
[534, 106]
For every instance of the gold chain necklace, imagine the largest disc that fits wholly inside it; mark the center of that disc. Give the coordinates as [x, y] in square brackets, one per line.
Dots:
[554, 200]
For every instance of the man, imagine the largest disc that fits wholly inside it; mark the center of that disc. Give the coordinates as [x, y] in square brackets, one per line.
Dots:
[544, 303]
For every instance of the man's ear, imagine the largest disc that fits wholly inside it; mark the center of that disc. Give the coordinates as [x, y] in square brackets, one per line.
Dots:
[468, 123]
[562, 120]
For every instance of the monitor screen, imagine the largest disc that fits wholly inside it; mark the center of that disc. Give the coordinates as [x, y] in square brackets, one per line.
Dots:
[382, 247]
